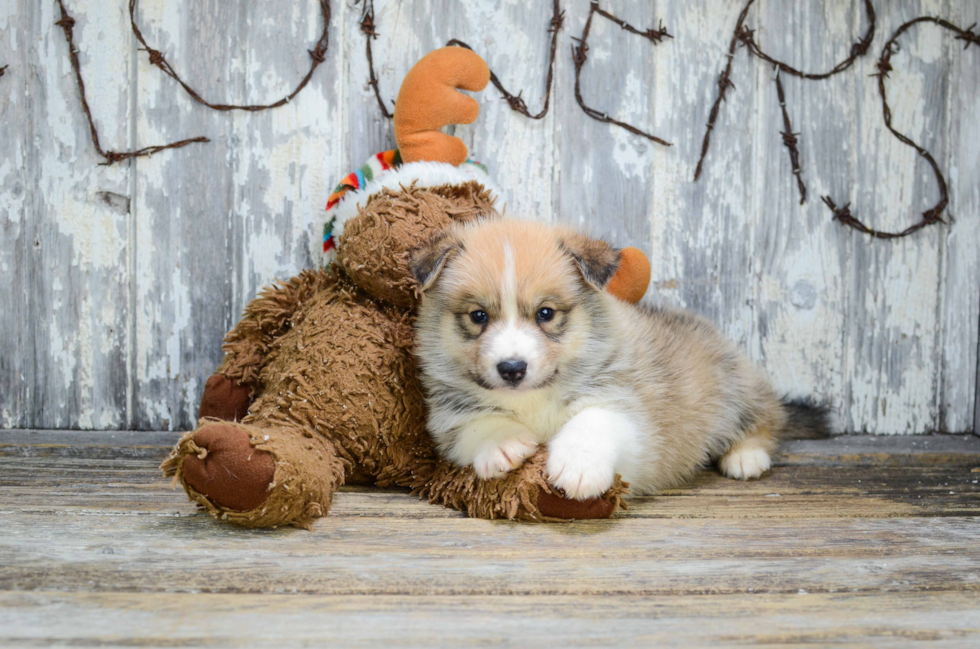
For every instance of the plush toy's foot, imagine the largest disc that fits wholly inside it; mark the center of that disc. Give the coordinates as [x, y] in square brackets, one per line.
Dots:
[225, 399]
[228, 470]
[257, 476]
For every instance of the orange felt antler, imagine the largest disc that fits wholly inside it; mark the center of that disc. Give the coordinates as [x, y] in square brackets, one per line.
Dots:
[428, 100]
[632, 277]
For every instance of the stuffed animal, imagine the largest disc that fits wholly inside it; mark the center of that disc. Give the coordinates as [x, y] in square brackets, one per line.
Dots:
[319, 388]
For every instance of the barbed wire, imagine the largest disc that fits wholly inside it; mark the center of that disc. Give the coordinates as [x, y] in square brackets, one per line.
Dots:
[724, 83]
[67, 24]
[368, 29]
[157, 58]
[934, 213]
[580, 54]
[742, 35]
[790, 140]
[746, 36]
[516, 102]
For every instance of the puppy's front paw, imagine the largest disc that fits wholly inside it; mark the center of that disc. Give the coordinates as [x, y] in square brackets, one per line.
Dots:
[496, 460]
[579, 474]
[744, 463]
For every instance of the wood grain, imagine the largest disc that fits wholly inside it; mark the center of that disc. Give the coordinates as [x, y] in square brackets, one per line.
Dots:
[852, 541]
[16, 206]
[46, 618]
[123, 279]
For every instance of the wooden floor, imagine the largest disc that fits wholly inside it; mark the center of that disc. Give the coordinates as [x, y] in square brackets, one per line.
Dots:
[854, 541]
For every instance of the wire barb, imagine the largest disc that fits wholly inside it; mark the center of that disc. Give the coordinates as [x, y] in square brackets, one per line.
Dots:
[370, 33]
[790, 140]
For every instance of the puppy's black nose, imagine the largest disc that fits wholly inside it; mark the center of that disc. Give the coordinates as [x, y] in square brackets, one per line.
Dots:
[512, 371]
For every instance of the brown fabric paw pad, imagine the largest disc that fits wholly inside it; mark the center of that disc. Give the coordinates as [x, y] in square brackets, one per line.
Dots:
[557, 507]
[229, 470]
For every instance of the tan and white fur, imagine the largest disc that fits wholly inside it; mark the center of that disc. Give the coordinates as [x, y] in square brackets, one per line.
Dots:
[519, 346]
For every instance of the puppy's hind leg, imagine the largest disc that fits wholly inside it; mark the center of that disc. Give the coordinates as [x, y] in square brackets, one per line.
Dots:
[749, 457]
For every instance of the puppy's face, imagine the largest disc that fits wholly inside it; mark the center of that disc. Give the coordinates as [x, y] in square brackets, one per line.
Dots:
[508, 305]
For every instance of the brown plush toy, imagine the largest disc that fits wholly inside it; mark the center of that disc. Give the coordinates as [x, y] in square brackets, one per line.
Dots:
[319, 387]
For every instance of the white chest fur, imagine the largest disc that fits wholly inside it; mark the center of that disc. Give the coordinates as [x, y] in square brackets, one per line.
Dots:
[544, 412]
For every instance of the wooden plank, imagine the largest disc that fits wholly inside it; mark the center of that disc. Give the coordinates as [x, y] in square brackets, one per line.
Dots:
[521, 153]
[700, 250]
[185, 253]
[17, 168]
[852, 540]
[106, 552]
[800, 257]
[840, 448]
[602, 172]
[896, 286]
[46, 618]
[961, 317]
[76, 222]
[850, 477]
[123, 281]
[219, 221]
[786, 495]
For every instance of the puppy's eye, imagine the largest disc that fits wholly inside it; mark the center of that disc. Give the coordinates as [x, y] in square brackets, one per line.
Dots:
[545, 314]
[478, 317]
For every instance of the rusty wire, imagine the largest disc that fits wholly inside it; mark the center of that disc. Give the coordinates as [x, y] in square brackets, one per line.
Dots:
[317, 54]
[746, 37]
[580, 55]
[3, 69]
[858, 49]
[790, 140]
[67, 24]
[516, 102]
[724, 83]
[368, 29]
[934, 213]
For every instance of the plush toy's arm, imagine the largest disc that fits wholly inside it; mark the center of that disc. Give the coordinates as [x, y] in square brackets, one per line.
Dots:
[428, 100]
[523, 494]
[267, 317]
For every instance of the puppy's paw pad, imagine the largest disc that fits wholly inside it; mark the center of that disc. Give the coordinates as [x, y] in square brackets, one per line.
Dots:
[580, 476]
[745, 463]
[495, 461]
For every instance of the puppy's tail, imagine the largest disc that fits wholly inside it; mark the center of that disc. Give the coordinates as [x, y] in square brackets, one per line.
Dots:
[805, 419]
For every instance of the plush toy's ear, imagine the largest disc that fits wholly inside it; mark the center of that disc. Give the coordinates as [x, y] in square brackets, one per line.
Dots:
[596, 260]
[429, 260]
[428, 100]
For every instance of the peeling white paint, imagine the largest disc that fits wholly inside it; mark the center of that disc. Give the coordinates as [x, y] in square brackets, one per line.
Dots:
[132, 305]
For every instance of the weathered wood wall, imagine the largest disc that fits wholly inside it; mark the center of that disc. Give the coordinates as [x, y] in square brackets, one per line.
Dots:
[119, 281]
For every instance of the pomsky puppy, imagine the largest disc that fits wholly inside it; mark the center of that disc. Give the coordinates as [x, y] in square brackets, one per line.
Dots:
[520, 346]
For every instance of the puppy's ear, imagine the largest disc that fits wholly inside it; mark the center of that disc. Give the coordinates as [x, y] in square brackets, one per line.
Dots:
[429, 260]
[596, 260]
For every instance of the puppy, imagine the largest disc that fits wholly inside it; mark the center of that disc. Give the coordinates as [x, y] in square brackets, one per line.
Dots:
[520, 346]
